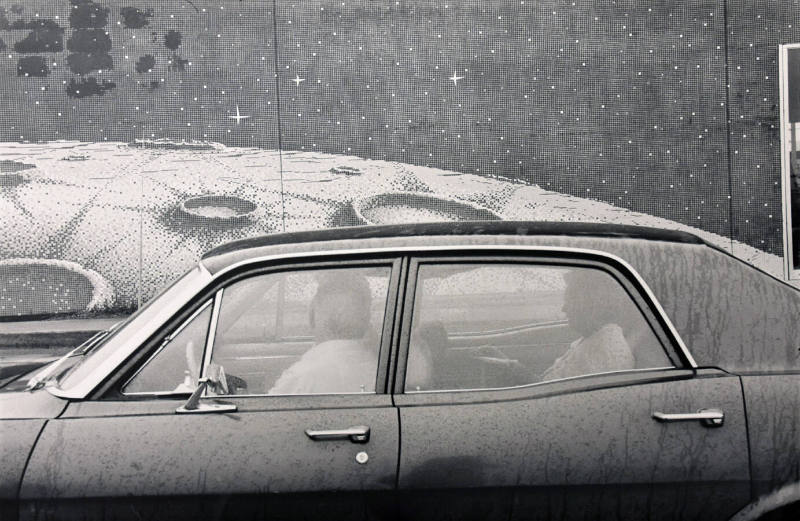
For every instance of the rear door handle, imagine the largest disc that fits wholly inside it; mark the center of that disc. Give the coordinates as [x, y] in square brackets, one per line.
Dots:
[358, 434]
[708, 417]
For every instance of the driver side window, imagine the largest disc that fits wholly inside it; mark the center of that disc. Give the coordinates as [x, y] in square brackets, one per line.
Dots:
[175, 367]
[312, 331]
[315, 331]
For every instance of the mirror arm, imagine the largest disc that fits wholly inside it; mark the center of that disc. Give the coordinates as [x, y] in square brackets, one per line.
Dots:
[194, 399]
[193, 404]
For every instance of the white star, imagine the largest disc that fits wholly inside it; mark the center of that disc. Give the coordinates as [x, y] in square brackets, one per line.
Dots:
[238, 117]
[455, 78]
[297, 79]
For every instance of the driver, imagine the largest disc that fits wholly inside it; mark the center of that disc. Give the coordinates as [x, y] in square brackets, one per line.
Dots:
[340, 361]
[592, 306]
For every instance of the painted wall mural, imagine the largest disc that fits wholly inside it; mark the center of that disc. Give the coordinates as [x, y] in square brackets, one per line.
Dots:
[137, 135]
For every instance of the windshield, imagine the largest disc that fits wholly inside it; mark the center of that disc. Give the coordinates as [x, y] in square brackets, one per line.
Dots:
[112, 346]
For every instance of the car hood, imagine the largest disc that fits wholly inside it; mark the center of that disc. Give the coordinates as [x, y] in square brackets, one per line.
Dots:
[30, 404]
[10, 372]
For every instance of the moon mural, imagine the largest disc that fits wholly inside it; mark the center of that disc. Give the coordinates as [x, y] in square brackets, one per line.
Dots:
[139, 214]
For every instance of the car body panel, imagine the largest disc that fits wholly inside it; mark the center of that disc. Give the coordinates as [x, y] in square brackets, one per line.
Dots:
[729, 314]
[255, 452]
[555, 449]
[597, 443]
[30, 404]
[22, 417]
[17, 438]
[773, 408]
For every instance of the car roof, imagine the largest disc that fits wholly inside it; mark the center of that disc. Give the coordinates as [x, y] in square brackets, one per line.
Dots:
[518, 228]
[358, 237]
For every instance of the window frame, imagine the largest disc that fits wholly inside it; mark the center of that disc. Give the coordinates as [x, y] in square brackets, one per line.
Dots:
[167, 340]
[651, 312]
[112, 388]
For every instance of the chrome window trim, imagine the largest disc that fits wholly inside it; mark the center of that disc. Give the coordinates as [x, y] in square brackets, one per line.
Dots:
[122, 349]
[265, 395]
[82, 390]
[164, 344]
[545, 382]
[212, 333]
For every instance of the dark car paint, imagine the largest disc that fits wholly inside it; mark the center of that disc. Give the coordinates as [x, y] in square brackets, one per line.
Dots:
[30, 405]
[604, 440]
[773, 410]
[141, 450]
[22, 417]
[483, 228]
[17, 438]
[678, 270]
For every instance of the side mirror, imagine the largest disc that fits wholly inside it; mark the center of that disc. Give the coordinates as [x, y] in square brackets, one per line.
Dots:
[194, 406]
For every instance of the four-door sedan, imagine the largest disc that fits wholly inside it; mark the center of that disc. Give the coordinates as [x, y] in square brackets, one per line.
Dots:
[499, 370]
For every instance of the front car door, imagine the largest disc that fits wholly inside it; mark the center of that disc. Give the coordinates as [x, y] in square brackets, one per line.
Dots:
[548, 386]
[297, 422]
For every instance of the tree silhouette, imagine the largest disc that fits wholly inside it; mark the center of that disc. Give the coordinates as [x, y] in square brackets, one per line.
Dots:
[86, 14]
[45, 36]
[134, 18]
[84, 63]
[88, 87]
[89, 41]
[145, 63]
[32, 66]
[89, 45]
[172, 40]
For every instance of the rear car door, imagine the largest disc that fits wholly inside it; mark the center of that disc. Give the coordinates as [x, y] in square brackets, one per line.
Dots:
[550, 386]
[296, 422]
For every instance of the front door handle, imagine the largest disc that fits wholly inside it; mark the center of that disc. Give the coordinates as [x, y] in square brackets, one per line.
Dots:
[358, 434]
[708, 417]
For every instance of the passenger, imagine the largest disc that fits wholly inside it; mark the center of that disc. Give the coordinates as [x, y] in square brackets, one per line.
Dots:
[341, 361]
[427, 350]
[592, 307]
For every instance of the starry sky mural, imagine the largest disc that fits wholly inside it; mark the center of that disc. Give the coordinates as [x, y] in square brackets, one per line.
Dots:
[621, 101]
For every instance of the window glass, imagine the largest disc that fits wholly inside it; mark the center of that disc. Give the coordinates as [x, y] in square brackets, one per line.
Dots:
[505, 325]
[303, 332]
[176, 366]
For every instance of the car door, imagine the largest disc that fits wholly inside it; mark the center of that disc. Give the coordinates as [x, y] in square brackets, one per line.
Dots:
[550, 387]
[295, 421]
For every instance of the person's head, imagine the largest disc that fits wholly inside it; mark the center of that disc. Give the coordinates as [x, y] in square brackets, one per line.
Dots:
[341, 307]
[591, 300]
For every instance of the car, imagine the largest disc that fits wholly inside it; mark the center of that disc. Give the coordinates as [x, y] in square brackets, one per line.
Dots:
[464, 370]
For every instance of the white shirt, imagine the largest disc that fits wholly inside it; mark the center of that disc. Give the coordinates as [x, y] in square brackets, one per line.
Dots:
[604, 350]
[331, 367]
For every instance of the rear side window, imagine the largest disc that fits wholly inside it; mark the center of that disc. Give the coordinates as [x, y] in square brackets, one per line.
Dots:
[485, 326]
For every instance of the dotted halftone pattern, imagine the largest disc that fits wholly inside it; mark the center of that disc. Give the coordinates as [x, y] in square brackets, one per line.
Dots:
[757, 28]
[623, 102]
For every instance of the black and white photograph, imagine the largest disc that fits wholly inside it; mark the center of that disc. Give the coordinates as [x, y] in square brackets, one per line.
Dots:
[401, 259]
